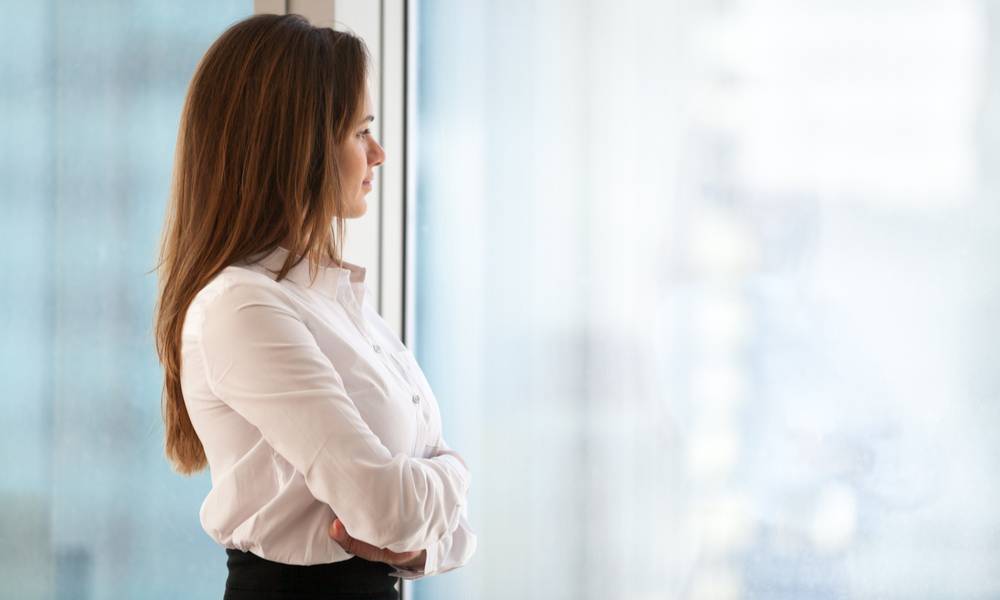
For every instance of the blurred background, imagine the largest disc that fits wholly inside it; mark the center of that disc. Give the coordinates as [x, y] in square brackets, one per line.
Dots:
[706, 291]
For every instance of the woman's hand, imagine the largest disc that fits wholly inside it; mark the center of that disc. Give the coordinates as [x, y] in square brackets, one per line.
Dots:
[404, 560]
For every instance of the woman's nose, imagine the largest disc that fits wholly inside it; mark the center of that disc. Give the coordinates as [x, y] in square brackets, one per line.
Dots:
[379, 155]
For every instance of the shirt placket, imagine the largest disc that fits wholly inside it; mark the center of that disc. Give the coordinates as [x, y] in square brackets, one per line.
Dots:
[355, 314]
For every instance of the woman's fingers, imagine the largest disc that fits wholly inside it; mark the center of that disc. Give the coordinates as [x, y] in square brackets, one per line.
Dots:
[352, 545]
[366, 550]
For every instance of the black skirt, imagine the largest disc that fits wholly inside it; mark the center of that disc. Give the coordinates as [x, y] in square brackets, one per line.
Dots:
[254, 578]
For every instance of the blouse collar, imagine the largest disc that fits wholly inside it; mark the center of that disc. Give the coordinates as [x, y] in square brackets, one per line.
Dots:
[330, 280]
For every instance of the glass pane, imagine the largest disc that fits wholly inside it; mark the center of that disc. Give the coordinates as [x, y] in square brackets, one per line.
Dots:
[91, 98]
[706, 291]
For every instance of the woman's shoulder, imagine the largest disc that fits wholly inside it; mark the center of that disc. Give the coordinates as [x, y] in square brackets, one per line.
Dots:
[233, 286]
[242, 280]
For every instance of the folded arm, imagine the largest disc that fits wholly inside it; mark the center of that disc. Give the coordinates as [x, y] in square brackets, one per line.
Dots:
[451, 551]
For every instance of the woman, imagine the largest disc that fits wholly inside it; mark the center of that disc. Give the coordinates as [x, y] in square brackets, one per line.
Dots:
[323, 439]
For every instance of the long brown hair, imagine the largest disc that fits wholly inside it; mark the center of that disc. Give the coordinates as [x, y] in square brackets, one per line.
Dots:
[255, 165]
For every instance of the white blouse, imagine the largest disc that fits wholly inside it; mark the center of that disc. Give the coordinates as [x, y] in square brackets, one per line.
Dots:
[309, 408]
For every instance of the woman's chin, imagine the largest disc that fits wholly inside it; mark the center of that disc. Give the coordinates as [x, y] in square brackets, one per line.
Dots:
[359, 209]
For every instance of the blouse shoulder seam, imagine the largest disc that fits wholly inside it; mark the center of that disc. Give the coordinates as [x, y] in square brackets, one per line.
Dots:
[224, 282]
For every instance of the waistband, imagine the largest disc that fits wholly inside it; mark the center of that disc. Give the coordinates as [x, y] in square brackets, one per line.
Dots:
[356, 575]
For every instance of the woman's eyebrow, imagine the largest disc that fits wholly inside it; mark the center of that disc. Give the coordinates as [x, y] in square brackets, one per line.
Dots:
[368, 118]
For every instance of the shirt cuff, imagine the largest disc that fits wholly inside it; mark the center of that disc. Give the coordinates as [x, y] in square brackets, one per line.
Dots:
[430, 565]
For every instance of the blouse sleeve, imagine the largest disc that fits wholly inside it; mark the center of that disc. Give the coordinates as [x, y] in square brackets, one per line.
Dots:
[262, 361]
[453, 550]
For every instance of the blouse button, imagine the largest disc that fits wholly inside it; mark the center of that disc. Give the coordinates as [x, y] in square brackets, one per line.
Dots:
[377, 348]
[416, 398]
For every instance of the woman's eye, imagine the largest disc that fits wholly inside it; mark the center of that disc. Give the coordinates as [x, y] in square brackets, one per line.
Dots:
[365, 132]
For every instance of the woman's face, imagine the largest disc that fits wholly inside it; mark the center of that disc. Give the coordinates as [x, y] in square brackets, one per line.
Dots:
[357, 158]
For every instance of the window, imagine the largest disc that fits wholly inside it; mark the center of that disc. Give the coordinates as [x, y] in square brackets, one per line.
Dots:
[92, 94]
[706, 293]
